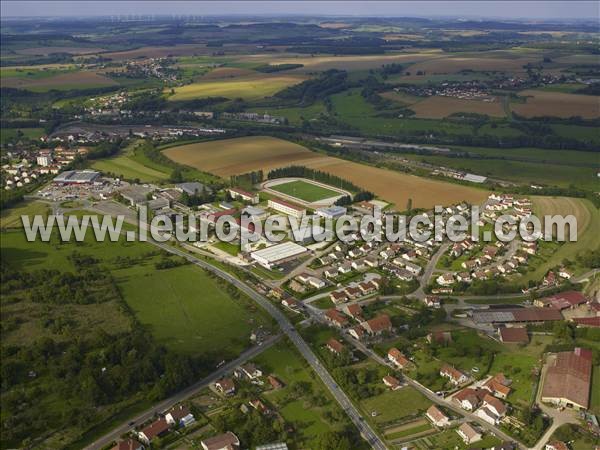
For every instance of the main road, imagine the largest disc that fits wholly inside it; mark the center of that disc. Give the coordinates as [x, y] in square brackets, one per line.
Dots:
[363, 427]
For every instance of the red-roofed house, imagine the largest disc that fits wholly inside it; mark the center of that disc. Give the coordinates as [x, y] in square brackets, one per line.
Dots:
[354, 311]
[377, 325]
[336, 318]
[335, 346]
[179, 415]
[391, 382]
[468, 433]
[568, 379]
[225, 386]
[128, 444]
[226, 441]
[158, 428]
[455, 376]
[437, 417]
[562, 300]
[398, 358]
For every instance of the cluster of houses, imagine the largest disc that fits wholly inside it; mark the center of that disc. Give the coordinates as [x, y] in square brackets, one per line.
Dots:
[355, 291]
[351, 319]
[486, 400]
[36, 163]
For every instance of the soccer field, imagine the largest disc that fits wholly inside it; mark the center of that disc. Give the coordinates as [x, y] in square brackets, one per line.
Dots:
[304, 190]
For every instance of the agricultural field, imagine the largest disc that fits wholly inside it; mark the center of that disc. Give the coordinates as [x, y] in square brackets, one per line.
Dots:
[304, 190]
[437, 107]
[557, 104]
[588, 222]
[248, 88]
[63, 81]
[7, 134]
[394, 406]
[235, 156]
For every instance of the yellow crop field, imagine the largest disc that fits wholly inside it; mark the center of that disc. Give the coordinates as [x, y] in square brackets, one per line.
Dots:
[235, 156]
[438, 107]
[558, 104]
[250, 88]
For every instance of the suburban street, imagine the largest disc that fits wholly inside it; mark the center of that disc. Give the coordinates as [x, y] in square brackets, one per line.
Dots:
[184, 394]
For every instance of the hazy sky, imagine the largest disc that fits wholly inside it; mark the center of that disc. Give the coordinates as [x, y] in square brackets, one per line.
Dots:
[506, 9]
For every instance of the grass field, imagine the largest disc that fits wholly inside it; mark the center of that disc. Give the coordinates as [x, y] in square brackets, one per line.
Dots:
[249, 88]
[392, 406]
[126, 166]
[7, 134]
[305, 191]
[558, 104]
[438, 107]
[595, 398]
[234, 156]
[63, 81]
[449, 439]
[185, 309]
[287, 365]
[11, 217]
[588, 222]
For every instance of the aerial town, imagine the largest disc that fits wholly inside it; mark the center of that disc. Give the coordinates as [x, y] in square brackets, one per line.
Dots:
[179, 270]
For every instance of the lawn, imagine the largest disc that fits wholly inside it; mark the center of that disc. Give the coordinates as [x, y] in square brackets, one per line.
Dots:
[6, 134]
[595, 398]
[304, 190]
[393, 406]
[450, 439]
[287, 365]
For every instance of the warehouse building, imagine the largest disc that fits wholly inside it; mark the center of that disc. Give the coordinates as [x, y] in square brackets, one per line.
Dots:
[332, 212]
[77, 177]
[568, 379]
[517, 315]
[278, 254]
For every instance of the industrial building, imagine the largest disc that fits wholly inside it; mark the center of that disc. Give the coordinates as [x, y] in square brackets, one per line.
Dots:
[516, 315]
[277, 254]
[286, 208]
[332, 212]
[77, 177]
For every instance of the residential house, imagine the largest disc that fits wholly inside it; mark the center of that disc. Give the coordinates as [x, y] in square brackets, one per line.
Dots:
[274, 382]
[498, 385]
[335, 346]
[488, 415]
[336, 318]
[291, 303]
[158, 428]
[338, 297]
[354, 311]
[250, 371]
[437, 417]
[128, 444]
[226, 441]
[455, 376]
[180, 415]
[432, 301]
[357, 332]
[397, 358]
[225, 386]
[367, 287]
[371, 261]
[377, 325]
[445, 279]
[556, 445]
[469, 398]
[495, 405]
[468, 434]
[352, 292]
[391, 382]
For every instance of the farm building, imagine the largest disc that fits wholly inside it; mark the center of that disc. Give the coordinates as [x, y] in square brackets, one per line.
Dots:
[278, 254]
[517, 315]
[568, 379]
[513, 335]
[562, 300]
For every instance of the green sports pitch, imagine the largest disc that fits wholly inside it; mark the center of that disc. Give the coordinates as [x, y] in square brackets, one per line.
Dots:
[304, 190]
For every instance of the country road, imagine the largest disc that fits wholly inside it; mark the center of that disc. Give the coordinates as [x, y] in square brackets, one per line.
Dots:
[182, 395]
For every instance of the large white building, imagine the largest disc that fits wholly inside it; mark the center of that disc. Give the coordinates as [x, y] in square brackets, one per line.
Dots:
[286, 208]
[244, 195]
[332, 212]
[278, 254]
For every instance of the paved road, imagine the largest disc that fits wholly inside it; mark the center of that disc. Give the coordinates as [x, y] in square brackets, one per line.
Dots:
[429, 269]
[363, 427]
[184, 394]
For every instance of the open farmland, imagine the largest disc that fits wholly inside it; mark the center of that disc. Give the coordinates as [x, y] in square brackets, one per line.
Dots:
[558, 104]
[588, 223]
[250, 88]
[457, 64]
[235, 156]
[358, 62]
[65, 81]
[438, 107]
